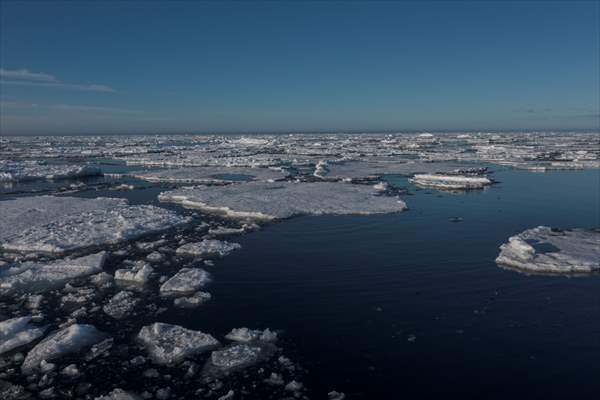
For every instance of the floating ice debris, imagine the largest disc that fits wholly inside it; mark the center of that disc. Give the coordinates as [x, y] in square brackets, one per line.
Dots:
[121, 305]
[193, 301]
[187, 280]
[333, 395]
[249, 335]
[206, 175]
[236, 356]
[155, 257]
[119, 394]
[65, 341]
[17, 332]
[139, 273]
[170, 344]
[99, 349]
[70, 370]
[262, 200]
[294, 386]
[63, 227]
[450, 182]
[207, 248]
[370, 169]
[548, 250]
[228, 396]
[15, 171]
[38, 277]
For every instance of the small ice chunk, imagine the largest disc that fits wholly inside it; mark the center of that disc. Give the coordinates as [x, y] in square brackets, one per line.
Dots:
[140, 273]
[275, 379]
[187, 280]
[119, 394]
[207, 248]
[65, 341]
[333, 395]
[193, 301]
[155, 256]
[121, 305]
[250, 335]
[170, 344]
[237, 356]
[548, 250]
[38, 277]
[293, 386]
[16, 332]
[70, 370]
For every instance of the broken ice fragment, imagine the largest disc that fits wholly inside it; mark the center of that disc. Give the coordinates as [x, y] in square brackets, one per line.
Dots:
[249, 335]
[170, 344]
[187, 280]
[450, 182]
[207, 248]
[17, 332]
[121, 305]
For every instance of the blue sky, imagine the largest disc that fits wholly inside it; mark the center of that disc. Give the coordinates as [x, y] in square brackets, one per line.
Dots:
[150, 67]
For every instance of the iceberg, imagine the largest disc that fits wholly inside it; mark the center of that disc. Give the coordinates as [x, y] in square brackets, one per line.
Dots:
[65, 341]
[267, 201]
[554, 251]
[67, 226]
[170, 344]
[40, 277]
[17, 332]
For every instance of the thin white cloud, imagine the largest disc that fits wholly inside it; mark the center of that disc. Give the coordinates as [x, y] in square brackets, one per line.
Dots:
[24, 77]
[70, 108]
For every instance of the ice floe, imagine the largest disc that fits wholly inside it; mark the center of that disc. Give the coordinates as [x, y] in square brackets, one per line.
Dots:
[186, 281]
[68, 340]
[249, 335]
[43, 276]
[140, 273]
[262, 200]
[450, 182]
[206, 175]
[207, 248]
[16, 332]
[29, 170]
[547, 250]
[237, 356]
[121, 305]
[192, 301]
[68, 224]
[170, 344]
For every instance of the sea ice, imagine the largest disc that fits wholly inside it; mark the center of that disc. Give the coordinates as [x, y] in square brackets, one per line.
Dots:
[39, 277]
[548, 250]
[68, 224]
[65, 341]
[139, 273]
[207, 175]
[263, 200]
[16, 332]
[119, 394]
[187, 280]
[237, 356]
[193, 301]
[450, 182]
[250, 335]
[170, 344]
[207, 248]
[19, 171]
[121, 305]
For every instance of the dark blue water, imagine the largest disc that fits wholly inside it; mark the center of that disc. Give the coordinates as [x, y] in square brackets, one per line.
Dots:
[412, 305]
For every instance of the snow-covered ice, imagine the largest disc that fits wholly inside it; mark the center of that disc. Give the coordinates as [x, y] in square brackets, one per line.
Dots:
[68, 224]
[68, 340]
[207, 248]
[16, 332]
[140, 273]
[548, 250]
[121, 305]
[237, 356]
[263, 200]
[187, 280]
[249, 335]
[192, 301]
[170, 344]
[29, 170]
[43, 276]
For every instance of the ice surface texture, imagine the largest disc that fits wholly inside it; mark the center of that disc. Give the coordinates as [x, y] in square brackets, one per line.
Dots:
[547, 250]
[170, 344]
[264, 200]
[207, 247]
[56, 225]
[450, 182]
[19, 171]
[186, 281]
[17, 332]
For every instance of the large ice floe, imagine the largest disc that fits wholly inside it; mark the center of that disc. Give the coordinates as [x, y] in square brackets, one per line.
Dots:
[170, 344]
[556, 251]
[16, 332]
[42, 276]
[450, 182]
[212, 175]
[264, 200]
[56, 225]
[237, 356]
[68, 340]
[19, 171]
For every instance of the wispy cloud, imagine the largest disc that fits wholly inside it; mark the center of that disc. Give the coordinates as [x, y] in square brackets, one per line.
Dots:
[70, 108]
[24, 77]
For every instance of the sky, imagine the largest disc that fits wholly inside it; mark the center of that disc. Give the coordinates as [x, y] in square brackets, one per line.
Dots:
[189, 67]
